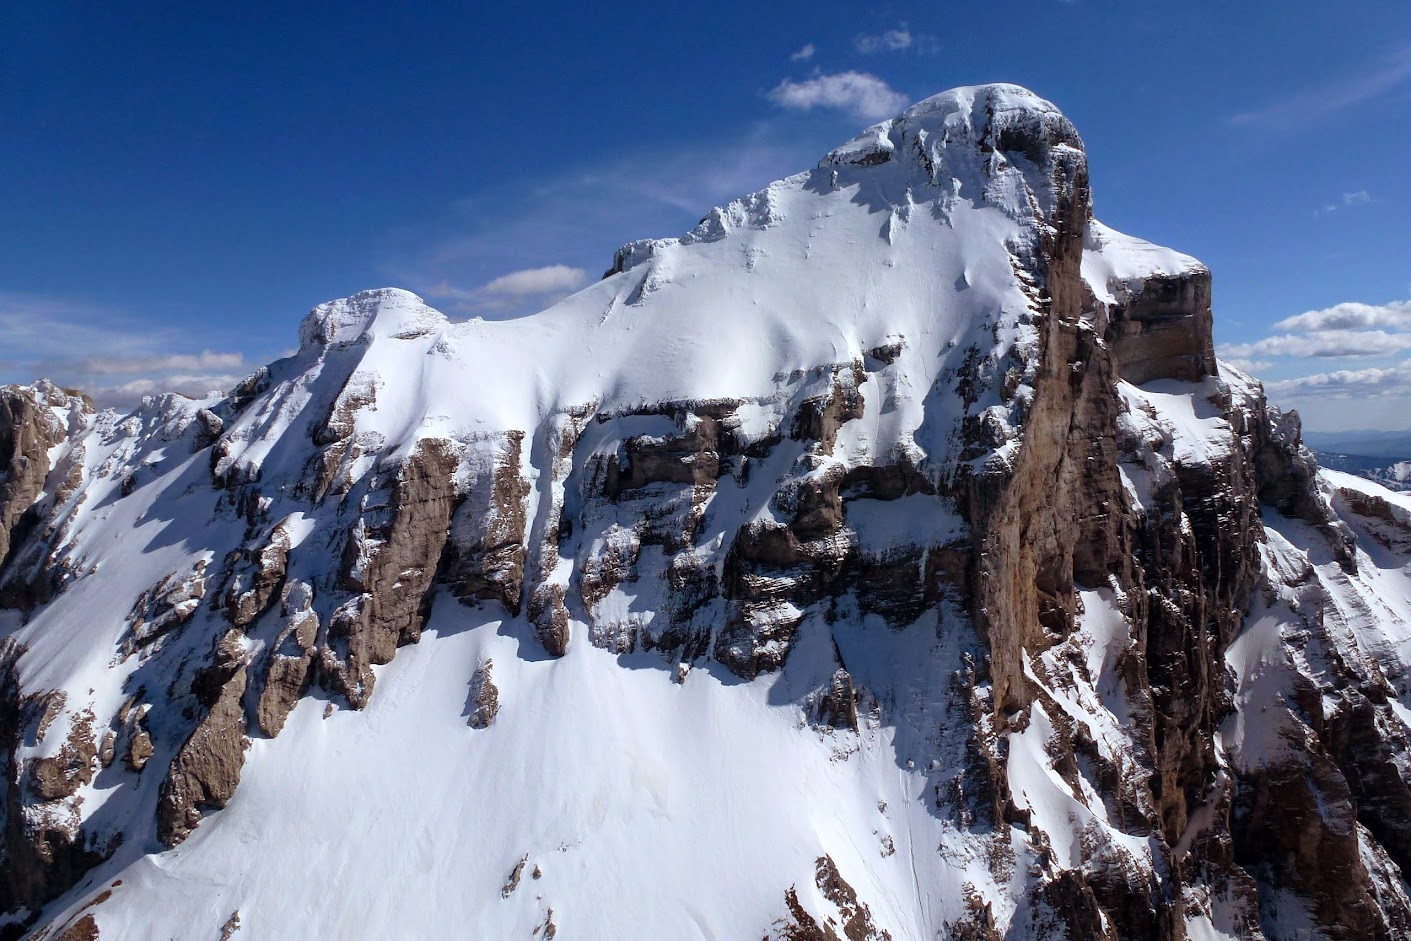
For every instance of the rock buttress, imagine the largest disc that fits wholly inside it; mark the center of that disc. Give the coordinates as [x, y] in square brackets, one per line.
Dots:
[390, 560]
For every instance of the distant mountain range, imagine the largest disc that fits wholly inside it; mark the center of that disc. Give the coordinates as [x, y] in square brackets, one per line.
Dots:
[1383, 456]
[1389, 444]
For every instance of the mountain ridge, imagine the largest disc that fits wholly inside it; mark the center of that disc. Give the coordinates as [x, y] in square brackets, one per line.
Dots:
[888, 556]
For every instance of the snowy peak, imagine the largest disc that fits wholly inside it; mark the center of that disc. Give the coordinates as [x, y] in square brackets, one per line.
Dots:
[390, 312]
[971, 139]
[1006, 118]
[983, 147]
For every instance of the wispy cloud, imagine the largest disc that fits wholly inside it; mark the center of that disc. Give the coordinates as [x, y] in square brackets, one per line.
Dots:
[892, 40]
[804, 54]
[129, 394]
[160, 363]
[40, 327]
[543, 286]
[1330, 97]
[899, 39]
[860, 93]
[1348, 201]
[574, 220]
[88, 347]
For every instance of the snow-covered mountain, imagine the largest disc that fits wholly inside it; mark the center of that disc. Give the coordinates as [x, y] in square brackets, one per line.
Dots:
[888, 557]
[1392, 474]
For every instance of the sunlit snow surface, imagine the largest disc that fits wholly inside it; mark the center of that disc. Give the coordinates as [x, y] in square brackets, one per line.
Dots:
[651, 808]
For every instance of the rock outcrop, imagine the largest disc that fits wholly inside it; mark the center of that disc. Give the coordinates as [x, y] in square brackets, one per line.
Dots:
[34, 420]
[1162, 329]
[44, 847]
[483, 703]
[390, 561]
[487, 542]
[206, 769]
[288, 667]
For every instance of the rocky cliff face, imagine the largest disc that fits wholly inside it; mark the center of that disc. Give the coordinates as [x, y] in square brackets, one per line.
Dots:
[894, 535]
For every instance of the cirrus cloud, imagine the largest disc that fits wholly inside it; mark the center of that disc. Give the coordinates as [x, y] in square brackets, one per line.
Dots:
[1391, 74]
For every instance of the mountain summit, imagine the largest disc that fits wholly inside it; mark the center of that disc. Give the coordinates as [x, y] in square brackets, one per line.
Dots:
[887, 557]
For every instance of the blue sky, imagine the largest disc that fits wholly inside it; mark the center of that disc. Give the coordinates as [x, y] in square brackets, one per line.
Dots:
[178, 186]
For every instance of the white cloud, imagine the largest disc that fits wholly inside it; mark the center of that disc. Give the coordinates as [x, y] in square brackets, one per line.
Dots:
[900, 39]
[1251, 366]
[1347, 383]
[804, 54]
[1344, 330]
[531, 281]
[160, 363]
[1350, 330]
[1300, 109]
[1351, 316]
[863, 94]
[892, 40]
[129, 394]
[60, 339]
[1323, 344]
[535, 286]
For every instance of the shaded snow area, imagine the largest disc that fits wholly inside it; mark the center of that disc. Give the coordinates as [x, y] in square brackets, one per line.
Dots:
[1394, 475]
[1317, 629]
[1318, 623]
[1083, 693]
[626, 792]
